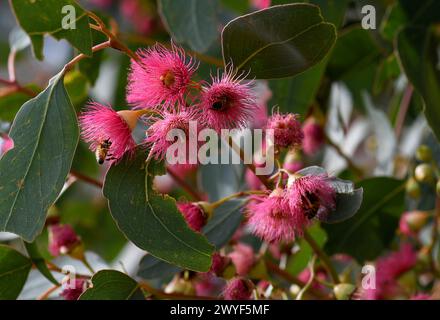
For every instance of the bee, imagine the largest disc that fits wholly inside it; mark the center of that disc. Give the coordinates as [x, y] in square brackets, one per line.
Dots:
[311, 204]
[102, 150]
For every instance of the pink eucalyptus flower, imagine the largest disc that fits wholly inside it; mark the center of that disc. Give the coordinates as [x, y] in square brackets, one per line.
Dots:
[101, 124]
[227, 103]
[388, 270]
[313, 136]
[161, 76]
[270, 217]
[193, 214]
[287, 130]
[243, 258]
[172, 125]
[238, 289]
[62, 239]
[72, 291]
[309, 197]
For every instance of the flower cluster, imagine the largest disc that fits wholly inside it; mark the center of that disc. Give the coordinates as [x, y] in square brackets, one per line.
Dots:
[285, 212]
[160, 84]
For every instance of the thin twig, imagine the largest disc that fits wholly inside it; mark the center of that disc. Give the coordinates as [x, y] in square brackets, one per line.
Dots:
[250, 166]
[184, 185]
[404, 106]
[48, 292]
[292, 279]
[434, 237]
[81, 56]
[323, 256]
[11, 65]
[85, 178]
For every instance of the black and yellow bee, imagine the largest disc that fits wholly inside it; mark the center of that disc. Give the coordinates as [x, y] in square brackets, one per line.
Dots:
[311, 204]
[102, 150]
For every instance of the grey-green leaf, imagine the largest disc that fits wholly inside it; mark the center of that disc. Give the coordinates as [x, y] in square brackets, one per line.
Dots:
[62, 19]
[152, 221]
[32, 174]
[219, 230]
[14, 270]
[193, 22]
[113, 285]
[278, 42]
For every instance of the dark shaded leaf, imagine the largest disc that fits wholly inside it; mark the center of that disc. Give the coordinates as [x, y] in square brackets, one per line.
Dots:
[192, 22]
[38, 260]
[277, 42]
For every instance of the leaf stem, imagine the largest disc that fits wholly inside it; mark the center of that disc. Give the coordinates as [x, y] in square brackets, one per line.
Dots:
[113, 39]
[323, 256]
[310, 281]
[236, 195]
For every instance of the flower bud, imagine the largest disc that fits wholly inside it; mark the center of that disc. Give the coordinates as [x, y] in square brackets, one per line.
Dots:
[62, 239]
[424, 173]
[413, 221]
[195, 214]
[343, 291]
[219, 264]
[73, 289]
[238, 289]
[413, 188]
[424, 153]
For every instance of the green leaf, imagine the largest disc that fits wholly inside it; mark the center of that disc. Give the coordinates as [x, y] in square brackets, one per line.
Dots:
[14, 270]
[371, 230]
[41, 17]
[152, 221]
[152, 268]
[224, 222]
[38, 260]
[418, 53]
[192, 22]
[298, 93]
[32, 174]
[219, 230]
[113, 285]
[221, 180]
[278, 42]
